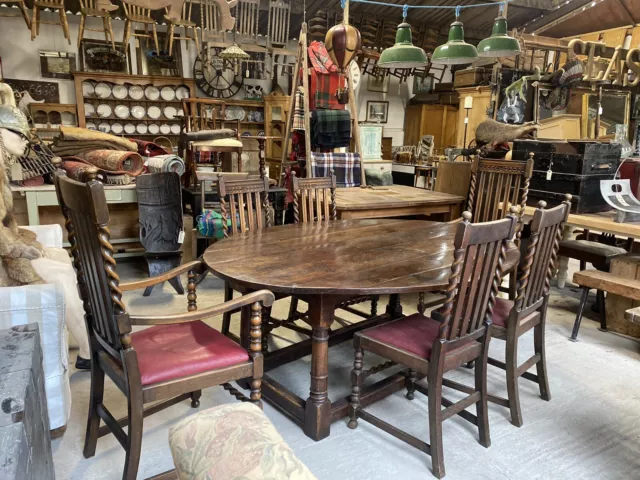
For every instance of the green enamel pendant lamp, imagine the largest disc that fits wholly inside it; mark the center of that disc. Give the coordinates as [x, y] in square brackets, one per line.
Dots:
[403, 54]
[456, 51]
[499, 44]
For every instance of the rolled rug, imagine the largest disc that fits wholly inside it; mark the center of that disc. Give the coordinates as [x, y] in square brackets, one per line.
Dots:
[114, 161]
[82, 135]
[33, 181]
[76, 169]
[165, 163]
[149, 149]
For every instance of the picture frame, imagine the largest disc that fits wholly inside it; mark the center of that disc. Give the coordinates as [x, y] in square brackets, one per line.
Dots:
[635, 113]
[160, 64]
[57, 64]
[377, 111]
[423, 84]
[378, 83]
[99, 56]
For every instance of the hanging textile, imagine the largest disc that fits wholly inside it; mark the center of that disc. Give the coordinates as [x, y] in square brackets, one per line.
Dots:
[330, 129]
[345, 166]
[325, 80]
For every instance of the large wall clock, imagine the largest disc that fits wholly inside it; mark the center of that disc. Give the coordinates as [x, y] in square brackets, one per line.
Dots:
[214, 76]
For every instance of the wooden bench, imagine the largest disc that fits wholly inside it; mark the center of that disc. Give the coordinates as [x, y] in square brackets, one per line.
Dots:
[633, 315]
[606, 282]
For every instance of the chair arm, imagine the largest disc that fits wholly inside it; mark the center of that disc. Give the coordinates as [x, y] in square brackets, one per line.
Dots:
[196, 266]
[265, 296]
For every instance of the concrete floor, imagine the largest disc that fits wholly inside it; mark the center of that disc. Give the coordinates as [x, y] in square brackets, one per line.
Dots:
[589, 430]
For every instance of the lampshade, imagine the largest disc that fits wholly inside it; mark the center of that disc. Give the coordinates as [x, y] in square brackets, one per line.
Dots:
[456, 51]
[499, 44]
[403, 54]
[233, 52]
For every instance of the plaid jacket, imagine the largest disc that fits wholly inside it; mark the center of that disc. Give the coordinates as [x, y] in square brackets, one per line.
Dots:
[325, 80]
[345, 166]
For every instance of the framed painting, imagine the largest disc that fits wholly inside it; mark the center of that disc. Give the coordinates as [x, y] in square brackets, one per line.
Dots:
[151, 62]
[378, 83]
[57, 64]
[377, 112]
[98, 56]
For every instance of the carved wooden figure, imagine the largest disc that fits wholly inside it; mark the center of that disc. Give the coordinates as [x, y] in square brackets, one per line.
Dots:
[165, 364]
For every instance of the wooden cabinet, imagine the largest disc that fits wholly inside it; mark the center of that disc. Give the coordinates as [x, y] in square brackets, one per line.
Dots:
[276, 112]
[481, 101]
[437, 120]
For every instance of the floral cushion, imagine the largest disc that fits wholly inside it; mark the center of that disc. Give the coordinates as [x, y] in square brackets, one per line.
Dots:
[235, 441]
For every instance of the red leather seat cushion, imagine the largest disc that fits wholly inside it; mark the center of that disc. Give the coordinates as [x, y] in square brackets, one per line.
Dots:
[169, 352]
[501, 311]
[415, 334]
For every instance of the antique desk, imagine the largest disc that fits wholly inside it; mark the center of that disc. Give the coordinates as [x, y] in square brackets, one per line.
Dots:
[395, 201]
[598, 222]
[325, 264]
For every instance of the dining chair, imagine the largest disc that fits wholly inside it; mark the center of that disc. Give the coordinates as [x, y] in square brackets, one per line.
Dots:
[173, 359]
[88, 9]
[23, 11]
[134, 14]
[457, 333]
[52, 6]
[316, 198]
[512, 319]
[183, 22]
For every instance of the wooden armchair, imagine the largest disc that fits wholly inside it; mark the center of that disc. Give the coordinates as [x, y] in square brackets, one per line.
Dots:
[512, 319]
[134, 14]
[458, 333]
[316, 197]
[88, 9]
[169, 362]
[184, 22]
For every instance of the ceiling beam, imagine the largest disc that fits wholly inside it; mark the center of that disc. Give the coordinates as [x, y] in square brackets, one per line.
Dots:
[547, 5]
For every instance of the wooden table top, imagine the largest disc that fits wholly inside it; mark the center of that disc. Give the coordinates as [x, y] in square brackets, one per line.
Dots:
[393, 196]
[600, 222]
[350, 257]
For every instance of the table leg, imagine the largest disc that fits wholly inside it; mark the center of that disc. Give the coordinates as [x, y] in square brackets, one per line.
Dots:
[261, 157]
[394, 308]
[563, 262]
[317, 414]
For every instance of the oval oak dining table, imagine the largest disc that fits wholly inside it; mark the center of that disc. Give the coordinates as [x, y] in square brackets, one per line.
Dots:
[325, 264]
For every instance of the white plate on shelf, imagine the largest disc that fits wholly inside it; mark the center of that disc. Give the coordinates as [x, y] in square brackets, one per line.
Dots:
[151, 93]
[154, 112]
[180, 113]
[91, 126]
[104, 127]
[136, 92]
[129, 128]
[89, 111]
[121, 111]
[141, 128]
[182, 92]
[165, 129]
[175, 129]
[103, 110]
[88, 89]
[154, 129]
[116, 128]
[168, 94]
[170, 112]
[138, 111]
[120, 92]
[234, 112]
[102, 90]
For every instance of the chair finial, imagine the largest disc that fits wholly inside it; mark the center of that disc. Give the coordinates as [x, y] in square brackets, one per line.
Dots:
[466, 216]
[542, 205]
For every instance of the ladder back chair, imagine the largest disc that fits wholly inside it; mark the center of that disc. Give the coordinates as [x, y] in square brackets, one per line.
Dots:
[53, 6]
[23, 11]
[169, 362]
[134, 14]
[457, 333]
[190, 32]
[316, 198]
[512, 319]
[495, 186]
[88, 9]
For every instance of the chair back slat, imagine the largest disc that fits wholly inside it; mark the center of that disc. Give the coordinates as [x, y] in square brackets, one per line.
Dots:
[87, 222]
[239, 199]
[497, 184]
[480, 251]
[542, 253]
[316, 198]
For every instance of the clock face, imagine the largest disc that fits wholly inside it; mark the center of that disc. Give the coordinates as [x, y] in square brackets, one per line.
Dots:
[214, 76]
[354, 69]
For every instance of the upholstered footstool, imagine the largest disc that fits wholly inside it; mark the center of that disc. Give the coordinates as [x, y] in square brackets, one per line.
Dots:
[234, 441]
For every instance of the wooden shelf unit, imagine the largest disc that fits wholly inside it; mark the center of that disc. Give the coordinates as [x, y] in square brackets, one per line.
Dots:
[129, 80]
